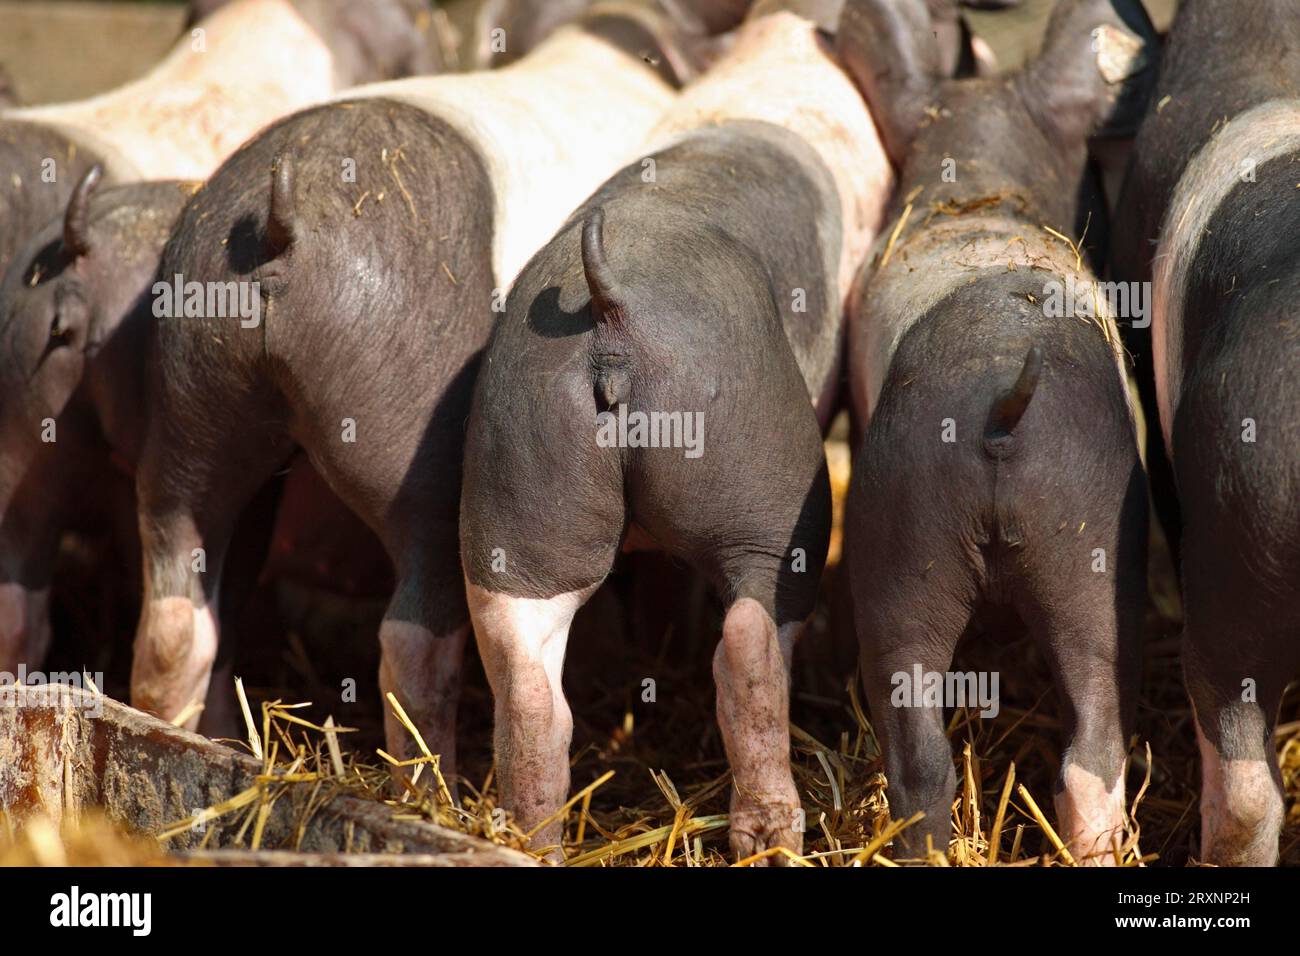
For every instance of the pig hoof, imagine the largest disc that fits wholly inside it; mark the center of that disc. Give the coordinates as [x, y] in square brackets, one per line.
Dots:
[756, 828]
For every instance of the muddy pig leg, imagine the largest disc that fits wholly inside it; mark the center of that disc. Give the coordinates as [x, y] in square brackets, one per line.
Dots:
[765, 559]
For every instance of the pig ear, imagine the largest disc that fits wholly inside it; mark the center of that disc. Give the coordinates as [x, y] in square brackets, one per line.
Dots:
[76, 220]
[1096, 70]
[888, 48]
[281, 220]
[607, 301]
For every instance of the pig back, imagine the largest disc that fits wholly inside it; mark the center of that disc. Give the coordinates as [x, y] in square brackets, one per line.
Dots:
[550, 128]
[781, 72]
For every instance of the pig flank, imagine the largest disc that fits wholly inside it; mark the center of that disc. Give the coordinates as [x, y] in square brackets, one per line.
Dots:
[997, 454]
[670, 290]
[380, 228]
[1211, 212]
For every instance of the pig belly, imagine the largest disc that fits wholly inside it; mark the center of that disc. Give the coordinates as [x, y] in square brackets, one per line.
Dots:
[1258, 135]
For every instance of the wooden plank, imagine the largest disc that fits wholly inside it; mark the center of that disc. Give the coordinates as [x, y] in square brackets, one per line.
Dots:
[63, 749]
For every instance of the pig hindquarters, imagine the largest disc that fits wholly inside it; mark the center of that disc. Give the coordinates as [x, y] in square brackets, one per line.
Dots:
[381, 229]
[997, 469]
[71, 363]
[708, 291]
[1218, 165]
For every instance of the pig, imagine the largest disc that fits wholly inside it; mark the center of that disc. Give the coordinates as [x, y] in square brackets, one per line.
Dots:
[704, 284]
[1210, 216]
[69, 355]
[73, 340]
[381, 229]
[996, 469]
[248, 63]
[71, 370]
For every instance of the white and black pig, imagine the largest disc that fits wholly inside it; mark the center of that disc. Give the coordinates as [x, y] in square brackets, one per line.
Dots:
[381, 231]
[698, 296]
[71, 359]
[997, 467]
[1211, 213]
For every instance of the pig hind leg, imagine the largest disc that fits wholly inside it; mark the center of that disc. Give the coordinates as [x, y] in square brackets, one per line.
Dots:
[1090, 641]
[192, 485]
[766, 561]
[1236, 671]
[523, 591]
[422, 644]
[1241, 636]
[522, 642]
[894, 639]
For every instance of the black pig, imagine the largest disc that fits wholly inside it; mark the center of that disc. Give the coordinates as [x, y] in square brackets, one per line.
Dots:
[708, 295]
[1211, 214]
[247, 64]
[997, 466]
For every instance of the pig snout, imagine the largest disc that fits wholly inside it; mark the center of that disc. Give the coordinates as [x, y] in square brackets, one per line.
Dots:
[24, 626]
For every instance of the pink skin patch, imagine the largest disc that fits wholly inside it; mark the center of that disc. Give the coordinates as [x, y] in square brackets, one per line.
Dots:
[522, 643]
[174, 650]
[24, 626]
[1091, 815]
[751, 668]
[1241, 809]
